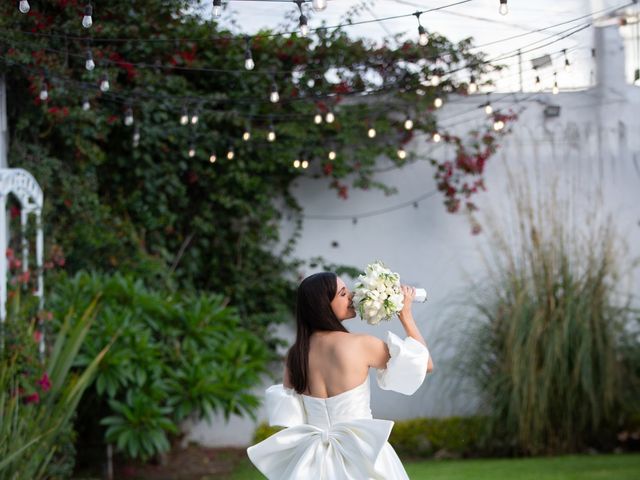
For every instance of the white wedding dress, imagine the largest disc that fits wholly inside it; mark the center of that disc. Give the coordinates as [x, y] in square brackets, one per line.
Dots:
[337, 438]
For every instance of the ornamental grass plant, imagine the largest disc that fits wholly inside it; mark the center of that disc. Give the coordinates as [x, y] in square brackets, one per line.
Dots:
[37, 425]
[552, 338]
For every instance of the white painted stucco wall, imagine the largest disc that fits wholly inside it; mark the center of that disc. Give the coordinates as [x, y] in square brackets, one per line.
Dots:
[594, 145]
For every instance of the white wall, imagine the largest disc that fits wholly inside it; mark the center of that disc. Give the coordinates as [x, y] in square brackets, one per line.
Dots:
[593, 146]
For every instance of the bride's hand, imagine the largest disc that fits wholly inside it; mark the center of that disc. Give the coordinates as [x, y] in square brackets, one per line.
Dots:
[409, 294]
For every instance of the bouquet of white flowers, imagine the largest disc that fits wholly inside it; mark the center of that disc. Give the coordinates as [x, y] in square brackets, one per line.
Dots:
[378, 295]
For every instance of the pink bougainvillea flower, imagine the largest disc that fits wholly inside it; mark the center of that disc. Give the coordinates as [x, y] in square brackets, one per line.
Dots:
[37, 336]
[44, 382]
[33, 398]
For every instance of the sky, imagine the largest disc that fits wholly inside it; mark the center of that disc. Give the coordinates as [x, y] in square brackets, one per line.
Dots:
[476, 18]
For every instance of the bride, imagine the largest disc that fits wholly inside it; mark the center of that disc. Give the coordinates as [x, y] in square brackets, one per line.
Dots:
[324, 398]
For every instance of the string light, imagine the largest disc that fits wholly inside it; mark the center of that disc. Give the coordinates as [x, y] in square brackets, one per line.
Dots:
[402, 154]
[304, 27]
[275, 96]
[86, 106]
[87, 21]
[246, 136]
[371, 133]
[498, 125]
[271, 136]
[332, 155]
[319, 5]
[212, 158]
[488, 109]
[435, 80]
[194, 118]
[329, 117]
[296, 163]
[192, 151]
[636, 77]
[555, 90]
[504, 8]
[317, 119]
[438, 102]
[24, 6]
[567, 63]
[473, 86]
[436, 137]
[408, 123]
[184, 118]
[423, 38]
[217, 8]
[44, 92]
[128, 117]
[104, 83]
[230, 154]
[248, 58]
[89, 64]
[304, 164]
[136, 137]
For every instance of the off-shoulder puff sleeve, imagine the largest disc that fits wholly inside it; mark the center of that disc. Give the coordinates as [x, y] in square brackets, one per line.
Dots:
[284, 406]
[407, 365]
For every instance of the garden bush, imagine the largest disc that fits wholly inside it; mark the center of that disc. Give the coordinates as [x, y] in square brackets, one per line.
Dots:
[176, 356]
[550, 335]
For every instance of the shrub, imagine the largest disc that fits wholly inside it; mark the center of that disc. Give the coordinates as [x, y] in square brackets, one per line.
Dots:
[176, 356]
[543, 347]
[38, 400]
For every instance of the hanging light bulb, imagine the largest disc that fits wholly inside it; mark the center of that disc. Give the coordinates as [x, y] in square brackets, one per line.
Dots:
[473, 86]
[319, 5]
[436, 137]
[504, 8]
[230, 154]
[271, 136]
[329, 117]
[194, 119]
[184, 118]
[246, 136]
[87, 21]
[212, 158]
[408, 123]
[423, 38]
[89, 64]
[104, 83]
[192, 151]
[296, 163]
[371, 132]
[275, 96]
[248, 58]
[128, 117]
[86, 106]
[317, 119]
[24, 6]
[488, 109]
[44, 92]
[402, 154]
[332, 155]
[435, 80]
[567, 63]
[304, 28]
[555, 90]
[498, 125]
[304, 164]
[438, 102]
[217, 8]
[136, 137]
[636, 77]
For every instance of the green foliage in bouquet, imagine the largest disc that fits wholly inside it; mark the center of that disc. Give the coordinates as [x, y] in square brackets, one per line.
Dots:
[38, 401]
[176, 357]
[551, 341]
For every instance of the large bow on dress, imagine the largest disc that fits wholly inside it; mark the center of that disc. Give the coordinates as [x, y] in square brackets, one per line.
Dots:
[345, 451]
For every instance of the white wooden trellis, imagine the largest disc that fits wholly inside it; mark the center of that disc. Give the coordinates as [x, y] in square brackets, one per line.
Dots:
[27, 191]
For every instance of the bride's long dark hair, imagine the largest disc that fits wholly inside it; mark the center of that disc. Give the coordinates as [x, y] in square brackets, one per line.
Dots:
[313, 313]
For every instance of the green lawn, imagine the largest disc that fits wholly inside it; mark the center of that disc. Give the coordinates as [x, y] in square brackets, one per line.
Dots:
[577, 467]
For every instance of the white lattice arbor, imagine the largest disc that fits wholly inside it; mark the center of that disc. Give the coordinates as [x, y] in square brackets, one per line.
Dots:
[27, 191]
